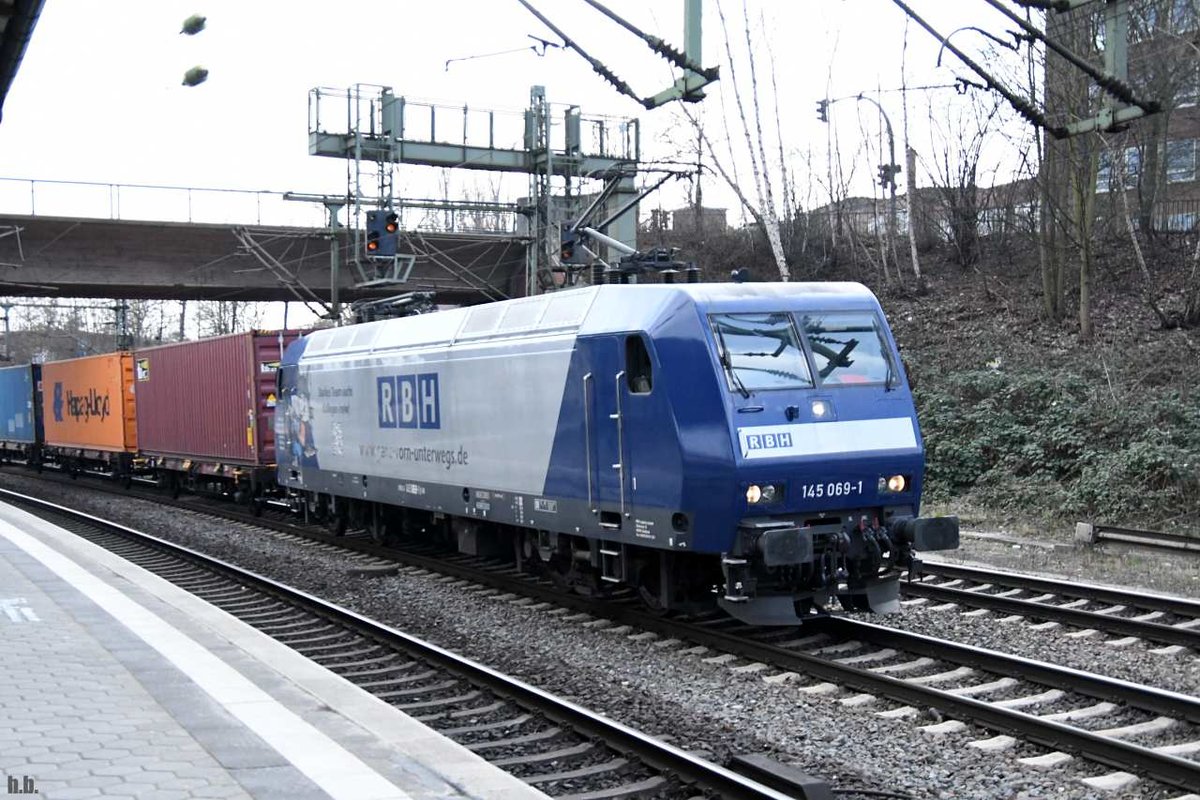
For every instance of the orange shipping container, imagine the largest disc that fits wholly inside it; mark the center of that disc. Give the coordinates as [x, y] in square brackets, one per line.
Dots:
[88, 403]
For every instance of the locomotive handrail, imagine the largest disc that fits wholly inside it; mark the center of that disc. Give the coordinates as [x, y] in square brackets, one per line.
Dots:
[620, 465]
[587, 440]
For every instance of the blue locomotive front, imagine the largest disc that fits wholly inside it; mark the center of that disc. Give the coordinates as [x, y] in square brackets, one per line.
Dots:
[752, 443]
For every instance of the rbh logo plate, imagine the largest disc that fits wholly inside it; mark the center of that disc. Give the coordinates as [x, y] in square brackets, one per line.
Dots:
[409, 401]
[768, 441]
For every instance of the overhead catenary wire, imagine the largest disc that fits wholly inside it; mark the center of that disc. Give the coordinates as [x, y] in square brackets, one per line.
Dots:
[1048, 5]
[656, 44]
[1020, 104]
[601, 70]
[539, 49]
[1108, 83]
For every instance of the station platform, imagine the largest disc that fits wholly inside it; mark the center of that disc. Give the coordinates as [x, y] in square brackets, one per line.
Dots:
[115, 683]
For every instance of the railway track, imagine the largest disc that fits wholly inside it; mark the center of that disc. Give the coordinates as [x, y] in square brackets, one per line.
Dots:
[1173, 622]
[1054, 712]
[560, 748]
[1049, 711]
[1088, 533]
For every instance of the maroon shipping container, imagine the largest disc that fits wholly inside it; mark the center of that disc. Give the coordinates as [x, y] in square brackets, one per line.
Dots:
[211, 400]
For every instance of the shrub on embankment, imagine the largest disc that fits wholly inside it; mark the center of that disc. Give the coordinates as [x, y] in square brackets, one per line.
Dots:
[1048, 443]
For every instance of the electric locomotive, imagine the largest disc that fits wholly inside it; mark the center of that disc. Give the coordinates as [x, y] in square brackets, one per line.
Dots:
[754, 444]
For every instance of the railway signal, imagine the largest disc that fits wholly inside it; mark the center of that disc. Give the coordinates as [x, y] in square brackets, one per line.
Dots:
[383, 233]
[887, 174]
[569, 245]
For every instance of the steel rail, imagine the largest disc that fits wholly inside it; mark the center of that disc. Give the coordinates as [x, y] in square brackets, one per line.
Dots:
[1110, 623]
[1148, 698]
[1116, 753]
[1183, 606]
[1179, 542]
[656, 754]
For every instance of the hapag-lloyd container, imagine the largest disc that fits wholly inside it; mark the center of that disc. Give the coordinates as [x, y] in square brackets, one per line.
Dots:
[88, 403]
[211, 400]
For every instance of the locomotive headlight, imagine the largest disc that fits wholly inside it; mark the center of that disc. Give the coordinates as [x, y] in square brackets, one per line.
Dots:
[767, 493]
[819, 409]
[893, 484]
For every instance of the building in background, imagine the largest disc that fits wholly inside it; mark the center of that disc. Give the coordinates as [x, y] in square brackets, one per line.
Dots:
[1154, 161]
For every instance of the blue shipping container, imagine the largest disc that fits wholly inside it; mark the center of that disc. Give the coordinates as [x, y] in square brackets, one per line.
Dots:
[19, 417]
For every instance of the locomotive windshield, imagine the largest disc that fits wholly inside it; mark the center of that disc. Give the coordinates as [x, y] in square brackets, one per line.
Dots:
[761, 351]
[847, 348]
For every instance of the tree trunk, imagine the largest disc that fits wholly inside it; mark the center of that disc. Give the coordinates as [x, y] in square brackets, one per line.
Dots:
[1085, 297]
[1153, 172]
[910, 158]
[1084, 180]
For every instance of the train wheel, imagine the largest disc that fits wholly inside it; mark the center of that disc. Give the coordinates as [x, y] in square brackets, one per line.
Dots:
[378, 525]
[650, 587]
[315, 507]
[409, 528]
[337, 518]
[568, 574]
[527, 554]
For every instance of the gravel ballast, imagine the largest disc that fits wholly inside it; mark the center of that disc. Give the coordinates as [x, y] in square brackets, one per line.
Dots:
[664, 691]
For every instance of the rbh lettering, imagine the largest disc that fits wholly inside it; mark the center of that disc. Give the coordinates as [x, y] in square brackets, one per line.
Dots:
[768, 441]
[409, 401]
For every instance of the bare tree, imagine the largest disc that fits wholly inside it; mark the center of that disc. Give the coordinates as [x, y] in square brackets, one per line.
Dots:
[220, 317]
[958, 134]
[1069, 167]
[910, 166]
[763, 211]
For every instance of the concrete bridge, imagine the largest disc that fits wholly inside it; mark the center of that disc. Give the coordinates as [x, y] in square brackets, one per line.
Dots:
[91, 256]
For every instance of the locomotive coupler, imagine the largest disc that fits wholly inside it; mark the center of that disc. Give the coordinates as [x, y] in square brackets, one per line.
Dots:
[738, 583]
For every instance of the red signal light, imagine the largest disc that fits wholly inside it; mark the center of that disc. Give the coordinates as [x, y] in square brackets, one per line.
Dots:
[392, 224]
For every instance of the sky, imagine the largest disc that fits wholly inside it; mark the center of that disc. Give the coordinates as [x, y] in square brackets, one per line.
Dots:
[98, 97]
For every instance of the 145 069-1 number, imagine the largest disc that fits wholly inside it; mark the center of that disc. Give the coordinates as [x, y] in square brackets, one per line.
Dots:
[831, 489]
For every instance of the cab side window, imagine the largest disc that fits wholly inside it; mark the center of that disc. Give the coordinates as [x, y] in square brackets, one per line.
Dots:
[639, 373]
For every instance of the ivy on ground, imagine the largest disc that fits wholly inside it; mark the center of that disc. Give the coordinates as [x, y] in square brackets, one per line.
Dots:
[1055, 446]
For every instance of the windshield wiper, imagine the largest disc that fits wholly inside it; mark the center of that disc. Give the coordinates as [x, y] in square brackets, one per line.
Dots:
[727, 362]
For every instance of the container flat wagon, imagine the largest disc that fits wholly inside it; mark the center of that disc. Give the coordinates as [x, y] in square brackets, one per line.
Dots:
[205, 412]
[89, 413]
